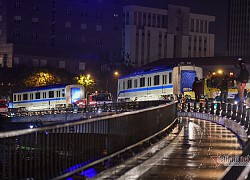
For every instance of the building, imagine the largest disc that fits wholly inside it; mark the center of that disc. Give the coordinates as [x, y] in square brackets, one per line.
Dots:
[72, 35]
[239, 28]
[150, 34]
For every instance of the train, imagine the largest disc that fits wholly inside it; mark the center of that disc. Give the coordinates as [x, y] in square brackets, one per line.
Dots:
[48, 97]
[157, 83]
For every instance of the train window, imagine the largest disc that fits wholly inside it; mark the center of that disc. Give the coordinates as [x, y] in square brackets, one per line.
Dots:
[129, 84]
[63, 92]
[58, 93]
[31, 96]
[135, 83]
[142, 82]
[19, 97]
[149, 81]
[25, 96]
[51, 94]
[123, 85]
[156, 80]
[14, 98]
[164, 79]
[38, 95]
[44, 95]
[170, 78]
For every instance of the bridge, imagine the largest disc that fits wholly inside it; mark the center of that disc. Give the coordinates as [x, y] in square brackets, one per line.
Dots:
[156, 140]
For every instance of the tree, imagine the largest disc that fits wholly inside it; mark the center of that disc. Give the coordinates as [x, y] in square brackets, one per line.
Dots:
[85, 80]
[42, 78]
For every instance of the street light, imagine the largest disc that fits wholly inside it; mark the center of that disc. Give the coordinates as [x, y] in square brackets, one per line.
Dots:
[116, 74]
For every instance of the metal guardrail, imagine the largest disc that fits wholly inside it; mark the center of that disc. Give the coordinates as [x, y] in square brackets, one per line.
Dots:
[238, 113]
[60, 151]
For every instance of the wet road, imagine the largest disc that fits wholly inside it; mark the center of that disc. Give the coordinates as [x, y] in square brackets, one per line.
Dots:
[197, 153]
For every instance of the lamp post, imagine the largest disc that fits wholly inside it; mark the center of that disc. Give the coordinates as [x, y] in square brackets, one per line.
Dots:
[115, 73]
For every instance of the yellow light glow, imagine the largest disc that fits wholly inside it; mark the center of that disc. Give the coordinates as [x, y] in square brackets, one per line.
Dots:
[116, 73]
[220, 71]
[231, 73]
[214, 73]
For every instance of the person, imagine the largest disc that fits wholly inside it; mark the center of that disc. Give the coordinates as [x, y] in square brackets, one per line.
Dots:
[197, 88]
[223, 85]
[242, 79]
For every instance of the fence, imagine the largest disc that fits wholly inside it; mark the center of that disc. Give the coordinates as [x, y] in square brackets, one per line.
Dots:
[240, 116]
[60, 151]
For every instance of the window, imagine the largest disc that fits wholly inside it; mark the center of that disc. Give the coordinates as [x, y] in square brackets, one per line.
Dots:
[170, 78]
[62, 64]
[63, 92]
[14, 98]
[98, 41]
[135, 83]
[129, 84]
[149, 81]
[18, 5]
[43, 62]
[19, 98]
[44, 95]
[68, 24]
[84, 14]
[156, 80]
[35, 7]
[35, 62]
[51, 94]
[16, 61]
[35, 20]
[17, 19]
[142, 82]
[38, 95]
[81, 66]
[83, 26]
[58, 93]
[17, 34]
[98, 28]
[164, 79]
[69, 12]
[31, 96]
[25, 96]
[34, 35]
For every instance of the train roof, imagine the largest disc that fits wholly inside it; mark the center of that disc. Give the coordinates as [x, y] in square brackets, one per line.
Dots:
[39, 88]
[148, 71]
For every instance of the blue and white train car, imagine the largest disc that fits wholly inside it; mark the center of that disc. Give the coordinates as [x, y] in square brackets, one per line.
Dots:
[157, 83]
[48, 97]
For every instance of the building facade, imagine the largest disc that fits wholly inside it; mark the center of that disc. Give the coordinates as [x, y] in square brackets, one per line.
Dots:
[239, 28]
[67, 34]
[150, 34]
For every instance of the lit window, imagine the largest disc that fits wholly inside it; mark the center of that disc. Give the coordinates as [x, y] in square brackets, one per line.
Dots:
[81, 66]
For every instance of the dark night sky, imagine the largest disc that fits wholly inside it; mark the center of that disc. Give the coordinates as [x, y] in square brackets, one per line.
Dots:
[217, 8]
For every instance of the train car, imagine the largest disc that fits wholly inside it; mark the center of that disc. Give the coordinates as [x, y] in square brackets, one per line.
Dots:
[157, 83]
[48, 97]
